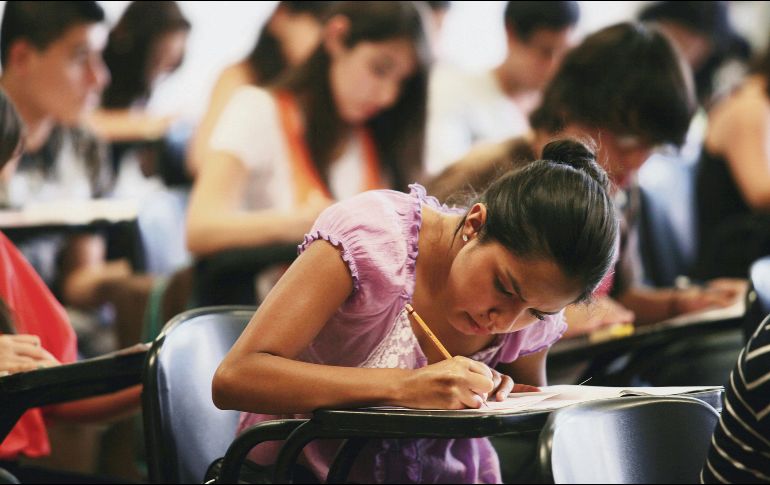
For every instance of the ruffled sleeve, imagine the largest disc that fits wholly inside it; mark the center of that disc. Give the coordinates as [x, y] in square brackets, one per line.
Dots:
[369, 232]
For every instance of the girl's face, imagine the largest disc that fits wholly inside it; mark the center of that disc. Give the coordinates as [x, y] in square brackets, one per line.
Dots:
[492, 291]
[367, 78]
[166, 55]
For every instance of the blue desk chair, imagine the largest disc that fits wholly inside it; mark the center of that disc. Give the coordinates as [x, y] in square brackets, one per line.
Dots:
[184, 431]
[627, 440]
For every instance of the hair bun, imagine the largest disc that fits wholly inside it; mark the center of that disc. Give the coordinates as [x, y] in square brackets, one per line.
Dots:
[578, 154]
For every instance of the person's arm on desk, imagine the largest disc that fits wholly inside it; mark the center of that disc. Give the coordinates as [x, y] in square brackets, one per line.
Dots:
[85, 271]
[604, 312]
[287, 321]
[653, 305]
[529, 369]
[20, 353]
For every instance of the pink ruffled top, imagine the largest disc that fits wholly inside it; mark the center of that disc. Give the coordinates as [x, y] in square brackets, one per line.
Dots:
[378, 233]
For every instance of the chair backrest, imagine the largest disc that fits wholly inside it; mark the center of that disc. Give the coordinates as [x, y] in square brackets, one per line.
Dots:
[758, 306]
[184, 431]
[627, 440]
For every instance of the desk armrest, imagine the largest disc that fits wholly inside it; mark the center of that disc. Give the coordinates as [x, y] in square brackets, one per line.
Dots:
[68, 382]
[243, 444]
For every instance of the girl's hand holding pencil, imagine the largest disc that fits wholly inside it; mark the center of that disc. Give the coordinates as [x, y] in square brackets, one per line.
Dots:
[458, 382]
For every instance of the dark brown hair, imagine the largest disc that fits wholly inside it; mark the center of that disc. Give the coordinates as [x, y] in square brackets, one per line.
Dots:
[556, 208]
[42, 23]
[266, 59]
[627, 79]
[399, 130]
[11, 131]
[130, 45]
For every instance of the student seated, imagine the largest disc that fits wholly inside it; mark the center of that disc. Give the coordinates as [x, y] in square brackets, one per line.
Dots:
[733, 180]
[138, 54]
[34, 333]
[350, 118]
[740, 448]
[491, 282]
[288, 38]
[702, 33]
[53, 73]
[490, 106]
[652, 104]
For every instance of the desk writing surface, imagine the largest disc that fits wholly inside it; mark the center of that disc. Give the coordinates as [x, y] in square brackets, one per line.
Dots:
[554, 397]
[709, 320]
[70, 213]
[359, 425]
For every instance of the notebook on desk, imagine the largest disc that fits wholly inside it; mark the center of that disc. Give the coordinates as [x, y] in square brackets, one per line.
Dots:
[555, 397]
[736, 310]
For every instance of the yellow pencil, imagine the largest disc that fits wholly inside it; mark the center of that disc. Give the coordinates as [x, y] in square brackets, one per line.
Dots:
[426, 329]
[436, 342]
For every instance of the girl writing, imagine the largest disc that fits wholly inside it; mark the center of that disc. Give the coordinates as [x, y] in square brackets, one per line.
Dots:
[492, 281]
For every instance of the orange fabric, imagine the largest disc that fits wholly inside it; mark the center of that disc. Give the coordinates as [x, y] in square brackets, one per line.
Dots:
[35, 311]
[307, 180]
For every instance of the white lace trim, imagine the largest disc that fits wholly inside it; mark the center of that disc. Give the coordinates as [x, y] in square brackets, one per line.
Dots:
[397, 349]
[400, 348]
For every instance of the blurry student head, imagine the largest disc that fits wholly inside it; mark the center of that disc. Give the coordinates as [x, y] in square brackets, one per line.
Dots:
[51, 57]
[625, 87]
[290, 35]
[438, 11]
[11, 137]
[370, 69]
[702, 33]
[146, 44]
[538, 35]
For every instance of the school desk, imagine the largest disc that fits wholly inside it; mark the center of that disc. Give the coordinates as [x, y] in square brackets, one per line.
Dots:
[600, 352]
[87, 378]
[117, 218]
[356, 426]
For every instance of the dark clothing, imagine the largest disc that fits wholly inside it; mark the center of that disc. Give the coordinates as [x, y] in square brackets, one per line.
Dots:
[731, 236]
[740, 449]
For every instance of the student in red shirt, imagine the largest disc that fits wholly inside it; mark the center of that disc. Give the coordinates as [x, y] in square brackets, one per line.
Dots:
[35, 332]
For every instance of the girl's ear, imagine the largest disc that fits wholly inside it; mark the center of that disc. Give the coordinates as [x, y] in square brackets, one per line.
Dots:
[475, 220]
[334, 35]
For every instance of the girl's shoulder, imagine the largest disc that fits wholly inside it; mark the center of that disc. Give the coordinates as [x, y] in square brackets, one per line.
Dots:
[253, 97]
[377, 233]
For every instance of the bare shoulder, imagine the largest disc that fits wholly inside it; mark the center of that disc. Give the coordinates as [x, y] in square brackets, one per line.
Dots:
[234, 76]
[746, 109]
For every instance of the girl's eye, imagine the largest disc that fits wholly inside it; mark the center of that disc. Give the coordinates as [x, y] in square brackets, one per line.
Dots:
[537, 315]
[501, 288]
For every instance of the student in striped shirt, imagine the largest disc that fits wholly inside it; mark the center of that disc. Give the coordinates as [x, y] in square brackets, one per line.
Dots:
[740, 448]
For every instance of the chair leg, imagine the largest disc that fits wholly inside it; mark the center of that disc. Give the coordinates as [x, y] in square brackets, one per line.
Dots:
[290, 451]
[243, 444]
[343, 461]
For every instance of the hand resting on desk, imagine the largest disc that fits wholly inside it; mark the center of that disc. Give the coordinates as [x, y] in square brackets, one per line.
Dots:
[21, 353]
[605, 312]
[717, 293]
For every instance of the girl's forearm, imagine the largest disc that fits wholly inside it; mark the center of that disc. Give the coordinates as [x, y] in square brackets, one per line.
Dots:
[206, 235]
[276, 385]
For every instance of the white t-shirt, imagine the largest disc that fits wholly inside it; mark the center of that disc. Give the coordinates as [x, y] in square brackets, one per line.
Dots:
[465, 109]
[250, 129]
